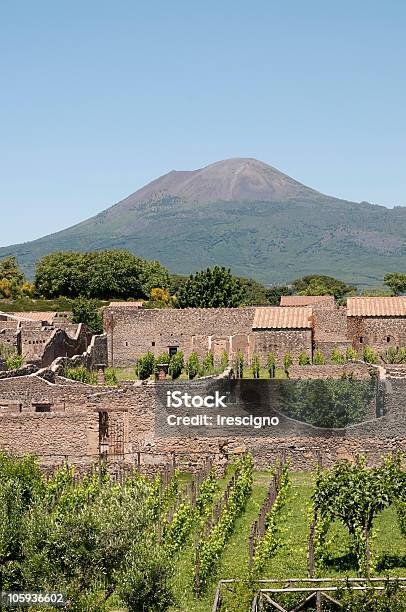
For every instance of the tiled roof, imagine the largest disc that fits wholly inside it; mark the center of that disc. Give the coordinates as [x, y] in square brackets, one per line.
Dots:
[129, 304]
[304, 300]
[35, 316]
[275, 317]
[376, 307]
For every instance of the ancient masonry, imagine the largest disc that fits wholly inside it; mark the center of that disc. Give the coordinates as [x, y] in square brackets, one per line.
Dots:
[58, 419]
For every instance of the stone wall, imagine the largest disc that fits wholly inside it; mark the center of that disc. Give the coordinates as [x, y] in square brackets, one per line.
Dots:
[330, 330]
[378, 333]
[358, 370]
[280, 342]
[133, 332]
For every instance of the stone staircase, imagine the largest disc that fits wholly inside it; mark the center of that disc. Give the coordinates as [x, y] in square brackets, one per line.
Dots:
[396, 371]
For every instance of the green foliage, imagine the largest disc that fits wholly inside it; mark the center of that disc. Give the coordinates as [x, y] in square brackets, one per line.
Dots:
[396, 281]
[272, 539]
[337, 356]
[176, 365]
[211, 548]
[81, 374]
[145, 366]
[10, 356]
[318, 358]
[193, 366]
[369, 355]
[401, 512]
[208, 363]
[253, 293]
[271, 365]
[224, 360]
[98, 274]
[304, 359]
[211, 288]
[394, 354]
[319, 284]
[87, 312]
[287, 361]
[351, 354]
[164, 358]
[276, 292]
[12, 281]
[239, 364]
[110, 376]
[255, 365]
[328, 403]
[354, 495]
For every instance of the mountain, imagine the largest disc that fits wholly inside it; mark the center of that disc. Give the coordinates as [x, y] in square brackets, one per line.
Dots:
[245, 215]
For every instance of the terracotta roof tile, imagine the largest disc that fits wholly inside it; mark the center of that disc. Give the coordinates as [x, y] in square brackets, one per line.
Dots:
[305, 300]
[275, 317]
[376, 307]
[35, 316]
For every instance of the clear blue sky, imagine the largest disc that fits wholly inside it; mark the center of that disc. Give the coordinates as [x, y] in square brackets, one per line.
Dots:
[98, 98]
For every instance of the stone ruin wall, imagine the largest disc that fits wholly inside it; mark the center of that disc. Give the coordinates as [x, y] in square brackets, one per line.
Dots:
[281, 341]
[133, 332]
[71, 429]
[379, 333]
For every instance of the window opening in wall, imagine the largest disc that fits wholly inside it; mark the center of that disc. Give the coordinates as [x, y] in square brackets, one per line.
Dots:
[126, 343]
[172, 350]
[361, 339]
[153, 343]
[43, 407]
[387, 338]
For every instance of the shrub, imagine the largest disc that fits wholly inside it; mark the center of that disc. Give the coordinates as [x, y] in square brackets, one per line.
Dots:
[110, 376]
[304, 359]
[255, 365]
[239, 365]
[395, 354]
[176, 365]
[145, 366]
[86, 311]
[15, 361]
[287, 361]
[193, 366]
[224, 360]
[369, 355]
[208, 363]
[318, 358]
[81, 374]
[337, 356]
[351, 354]
[164, 358]
[271, 365]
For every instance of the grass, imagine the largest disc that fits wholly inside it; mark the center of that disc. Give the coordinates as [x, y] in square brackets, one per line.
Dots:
[290, 560]
[263, 373]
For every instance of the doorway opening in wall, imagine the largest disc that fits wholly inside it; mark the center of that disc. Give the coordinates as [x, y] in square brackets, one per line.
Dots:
[172, 350]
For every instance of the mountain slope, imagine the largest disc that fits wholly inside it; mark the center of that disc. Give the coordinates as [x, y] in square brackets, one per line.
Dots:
[246, 215]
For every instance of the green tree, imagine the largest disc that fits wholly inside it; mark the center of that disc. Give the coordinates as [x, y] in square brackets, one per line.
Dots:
[176, 365]
[253, 293]
[208, 363]
[287, 362]
[318, 358]
[304, 359]
[145, 366]
[239, 365]
[193, 366]
[255, 366]
[98, 274]
[275, 293]
[319, 284]
[351, 354]
[86, 311]
[396, 281]
[224, 360]
[271, 365]
[369, 355]
[211, 288]
[12, 279]
[337, 356]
